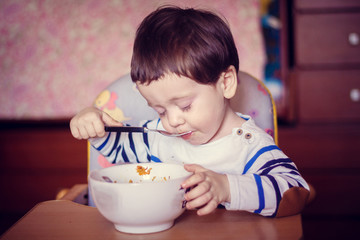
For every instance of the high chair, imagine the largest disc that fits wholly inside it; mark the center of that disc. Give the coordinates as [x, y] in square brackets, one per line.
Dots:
[123, 102]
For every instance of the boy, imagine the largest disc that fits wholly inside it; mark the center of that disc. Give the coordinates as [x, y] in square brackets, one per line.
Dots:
[185, 64]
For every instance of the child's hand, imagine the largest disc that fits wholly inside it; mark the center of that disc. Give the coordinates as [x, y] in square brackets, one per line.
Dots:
[209, 189]
[90, 123]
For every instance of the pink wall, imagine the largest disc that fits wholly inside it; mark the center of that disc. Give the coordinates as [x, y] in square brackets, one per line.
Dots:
[56, 56]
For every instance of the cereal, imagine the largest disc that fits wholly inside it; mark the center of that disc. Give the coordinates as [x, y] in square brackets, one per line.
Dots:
[143, 171]
[146, 171]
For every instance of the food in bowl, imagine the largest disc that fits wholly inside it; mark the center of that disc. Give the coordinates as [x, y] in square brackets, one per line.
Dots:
[143, 170]
[142, 198]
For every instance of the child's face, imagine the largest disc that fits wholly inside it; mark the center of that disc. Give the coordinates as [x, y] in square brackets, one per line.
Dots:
[185, 105]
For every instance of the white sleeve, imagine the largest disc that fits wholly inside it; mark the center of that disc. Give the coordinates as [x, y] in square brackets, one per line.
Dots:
[261, 188]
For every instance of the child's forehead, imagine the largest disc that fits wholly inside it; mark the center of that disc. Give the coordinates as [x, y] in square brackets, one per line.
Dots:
[173, 84]
[169, 79]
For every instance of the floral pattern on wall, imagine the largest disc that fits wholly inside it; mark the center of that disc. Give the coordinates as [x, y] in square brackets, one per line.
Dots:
[57, 56]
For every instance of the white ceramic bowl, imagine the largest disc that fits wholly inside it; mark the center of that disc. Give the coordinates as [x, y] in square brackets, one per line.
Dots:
[150, 203]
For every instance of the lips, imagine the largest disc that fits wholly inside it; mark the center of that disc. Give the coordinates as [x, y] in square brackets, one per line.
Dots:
[186, 136]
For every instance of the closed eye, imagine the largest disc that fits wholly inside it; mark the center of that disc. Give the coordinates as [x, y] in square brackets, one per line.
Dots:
[160, 110]
[161, 114]
[187, 108]
[185, 103]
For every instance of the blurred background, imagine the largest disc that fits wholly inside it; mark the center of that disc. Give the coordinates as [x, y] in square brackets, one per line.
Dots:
[56, 56]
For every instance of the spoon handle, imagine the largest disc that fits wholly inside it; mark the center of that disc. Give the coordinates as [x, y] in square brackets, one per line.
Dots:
[124, 129]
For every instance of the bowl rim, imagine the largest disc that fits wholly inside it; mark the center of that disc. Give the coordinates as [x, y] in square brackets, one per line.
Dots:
[188, 174]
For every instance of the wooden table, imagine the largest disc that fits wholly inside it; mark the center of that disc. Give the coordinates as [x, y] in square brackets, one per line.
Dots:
[63, 219]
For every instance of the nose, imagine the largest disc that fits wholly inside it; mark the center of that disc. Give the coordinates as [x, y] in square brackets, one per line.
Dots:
[175, 118]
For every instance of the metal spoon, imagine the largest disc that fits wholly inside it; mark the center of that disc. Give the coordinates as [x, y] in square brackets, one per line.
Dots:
[143, 130]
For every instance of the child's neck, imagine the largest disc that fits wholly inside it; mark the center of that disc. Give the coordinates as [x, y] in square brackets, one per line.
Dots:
[231, 120]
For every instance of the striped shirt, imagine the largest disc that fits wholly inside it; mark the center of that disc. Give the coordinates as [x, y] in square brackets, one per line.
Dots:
[258, 171]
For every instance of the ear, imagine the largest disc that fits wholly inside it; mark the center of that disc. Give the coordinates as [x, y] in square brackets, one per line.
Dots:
[229, 82]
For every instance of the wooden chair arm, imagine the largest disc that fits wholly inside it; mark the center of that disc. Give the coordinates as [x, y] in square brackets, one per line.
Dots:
[78, 193]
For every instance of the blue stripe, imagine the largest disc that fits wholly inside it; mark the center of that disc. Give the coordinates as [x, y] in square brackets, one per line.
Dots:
[132, 146]
[261, 151]
[145, 138]
[244, 118]
[295, 172]
[146, 141]
[277, 193]
[155, 159]
[124, 156]
[157, 124]
[288, 166]
[115, 143]
[260, 193]
[275, 161]
[146, 123]
[104, 143]
[296, 180]
[117, 153]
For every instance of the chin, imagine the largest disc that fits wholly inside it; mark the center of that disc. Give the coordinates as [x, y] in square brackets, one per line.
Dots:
[195, 143]
[198, 141]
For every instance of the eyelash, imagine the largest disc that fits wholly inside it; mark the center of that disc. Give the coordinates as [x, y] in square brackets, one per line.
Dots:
[184, 109]
[187, 108]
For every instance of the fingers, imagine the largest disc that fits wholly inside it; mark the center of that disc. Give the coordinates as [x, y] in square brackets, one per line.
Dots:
[89, 123]
[77, 130]
[87, 131]
[74, 130]
[83, 132]
[202, 198]
[198, 195]
[201, 195]
[193, 180]
[98, 129]
[108, 120]
[194, 168]
[208, 208]
[208, 189]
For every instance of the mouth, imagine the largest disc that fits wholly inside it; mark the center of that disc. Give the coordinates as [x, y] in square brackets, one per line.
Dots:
[186, 136]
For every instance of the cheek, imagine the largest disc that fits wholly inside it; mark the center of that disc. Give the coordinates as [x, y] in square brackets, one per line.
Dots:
[207, 118]
[213, 107]
[165, 124]
[217, 114]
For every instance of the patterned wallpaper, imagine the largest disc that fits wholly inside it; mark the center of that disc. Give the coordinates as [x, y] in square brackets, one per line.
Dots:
[56, 56]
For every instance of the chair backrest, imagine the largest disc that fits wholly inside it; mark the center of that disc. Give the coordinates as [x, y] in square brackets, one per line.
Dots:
[254, 99]
[123, 102]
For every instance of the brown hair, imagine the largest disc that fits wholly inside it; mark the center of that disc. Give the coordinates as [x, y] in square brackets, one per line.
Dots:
[193, 43]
